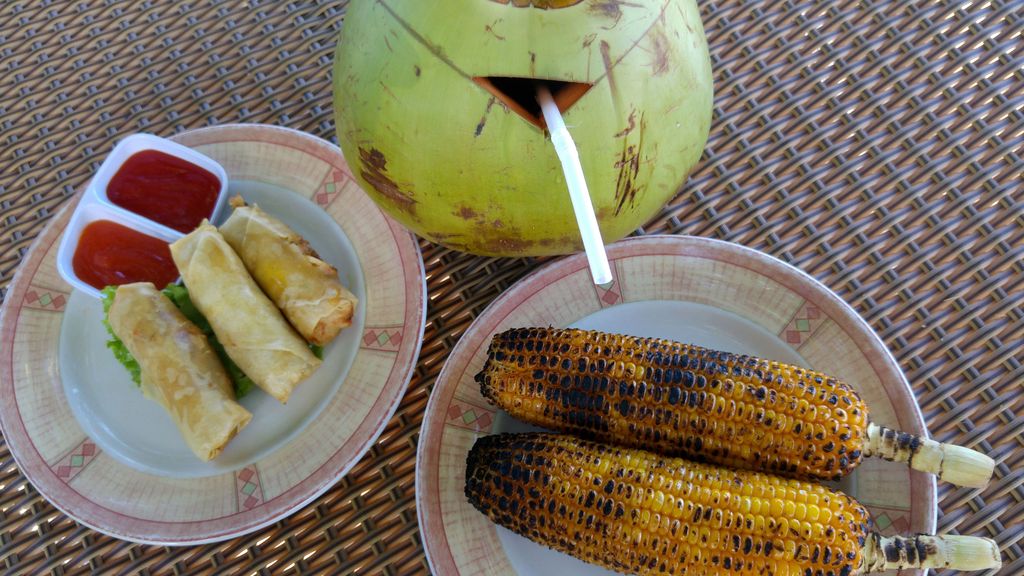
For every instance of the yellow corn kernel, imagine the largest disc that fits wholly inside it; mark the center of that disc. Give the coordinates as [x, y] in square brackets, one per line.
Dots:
[789, 508]
[825, 515]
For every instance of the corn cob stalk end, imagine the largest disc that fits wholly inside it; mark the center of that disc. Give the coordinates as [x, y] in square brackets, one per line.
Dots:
[922, 551]
[954, 464]
[964, 467]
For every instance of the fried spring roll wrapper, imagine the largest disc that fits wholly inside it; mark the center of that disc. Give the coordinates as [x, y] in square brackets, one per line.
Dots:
[179, 368]
[304, 287]
[246, 322]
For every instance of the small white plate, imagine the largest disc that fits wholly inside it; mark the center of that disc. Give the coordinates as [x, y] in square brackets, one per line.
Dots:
[695, 290]
[84, 435]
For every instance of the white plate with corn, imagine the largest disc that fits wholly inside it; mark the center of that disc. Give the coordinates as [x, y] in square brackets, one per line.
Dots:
[780, 439]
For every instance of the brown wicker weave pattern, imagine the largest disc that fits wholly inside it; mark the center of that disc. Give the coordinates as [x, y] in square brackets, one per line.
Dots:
[875, 144]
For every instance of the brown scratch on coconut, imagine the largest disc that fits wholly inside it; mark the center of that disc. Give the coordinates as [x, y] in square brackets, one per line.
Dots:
[612, 8]
[483, 119]
[562, 244]
[606, 51]
[660, 48]
[609, 8]
[679, 8]
[466, 212]
[632, 124]
[374, 171]
[606, 56]
[573, 243]
[502, 243]
[628, 164]
[389, 92]
[542, 4]
[489, 28]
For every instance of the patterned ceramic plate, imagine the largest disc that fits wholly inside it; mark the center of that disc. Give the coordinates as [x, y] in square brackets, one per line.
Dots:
[95, 447]
[695, 290]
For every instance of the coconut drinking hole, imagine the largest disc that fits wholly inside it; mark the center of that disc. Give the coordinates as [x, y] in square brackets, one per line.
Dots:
[520, 95]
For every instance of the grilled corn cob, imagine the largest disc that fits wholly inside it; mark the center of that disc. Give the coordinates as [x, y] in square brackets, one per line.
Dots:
[714, 406]
[637, 512]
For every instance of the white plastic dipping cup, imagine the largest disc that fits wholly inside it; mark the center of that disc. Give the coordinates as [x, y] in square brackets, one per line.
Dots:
[142, 142]
[586, 220]
[89, 211]
[95, 205]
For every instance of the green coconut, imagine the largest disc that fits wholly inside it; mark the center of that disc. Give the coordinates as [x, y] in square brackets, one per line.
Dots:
[435, 114]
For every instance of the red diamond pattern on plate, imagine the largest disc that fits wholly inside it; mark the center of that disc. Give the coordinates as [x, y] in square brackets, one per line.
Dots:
[382, 338]
[248, 488]
[901, 524]
[609, 296]
[483, 421]
[329, 190]
[890, 522]
[802, 325]
[469, 417]
[69, 465]
[45, 299]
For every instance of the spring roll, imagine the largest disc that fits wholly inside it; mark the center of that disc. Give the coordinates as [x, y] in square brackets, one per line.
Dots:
[179, 369]
[304, 287]
[246, 322]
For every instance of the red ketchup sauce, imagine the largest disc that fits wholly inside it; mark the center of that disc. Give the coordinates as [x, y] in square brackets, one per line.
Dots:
[165, 188]
[111, 254]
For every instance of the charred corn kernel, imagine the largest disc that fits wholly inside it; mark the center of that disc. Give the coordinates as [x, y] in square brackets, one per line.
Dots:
[516, 480]
[678, 399]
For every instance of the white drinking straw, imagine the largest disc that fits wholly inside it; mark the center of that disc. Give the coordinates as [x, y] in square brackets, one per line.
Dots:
[577, 183]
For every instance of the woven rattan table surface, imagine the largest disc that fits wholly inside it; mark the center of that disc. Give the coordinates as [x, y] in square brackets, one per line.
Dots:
[875, 144]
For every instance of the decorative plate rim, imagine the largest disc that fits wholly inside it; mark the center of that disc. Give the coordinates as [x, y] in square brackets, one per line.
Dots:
[428, 451]
[299, 493]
